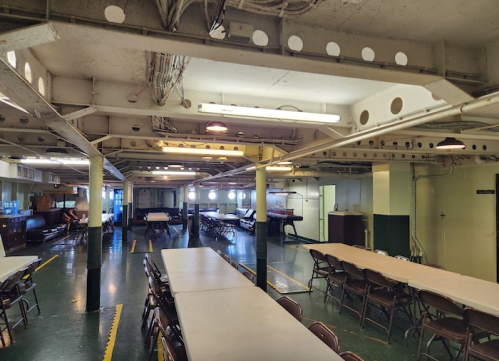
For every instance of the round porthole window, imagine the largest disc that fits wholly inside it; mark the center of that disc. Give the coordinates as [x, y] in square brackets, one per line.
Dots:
[232, 195]
[212, 195]
[192, 196]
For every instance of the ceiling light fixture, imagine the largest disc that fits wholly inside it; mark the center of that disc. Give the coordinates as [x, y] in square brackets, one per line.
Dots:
[285, 163]
[451, 143]
[216, 126]
[268, 113]
[227, 153]
[175, 165]
[274, 169]
[171, 172]
[35, 161]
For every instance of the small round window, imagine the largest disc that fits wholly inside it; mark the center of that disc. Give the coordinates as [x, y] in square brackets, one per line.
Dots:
[212, 195]
[232, 195]
[41, 86]
[11, 58]
[192, 196]
[27, 72]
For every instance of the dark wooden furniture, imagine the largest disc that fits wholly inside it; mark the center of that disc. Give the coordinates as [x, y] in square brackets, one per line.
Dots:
[13, 231]
[44, 203]
[276, 223]
[345, 227]
[52, 217]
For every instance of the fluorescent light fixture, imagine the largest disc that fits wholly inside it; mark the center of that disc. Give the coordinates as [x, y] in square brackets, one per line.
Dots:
[175, 165]
[282, 193]
[227, 153]
[35, 161]
[451, 143]
[274, 169]
[268, 113]
[285, 162]
[171, 172]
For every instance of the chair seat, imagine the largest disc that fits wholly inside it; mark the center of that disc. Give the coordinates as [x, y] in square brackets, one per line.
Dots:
[486, 351]
[337, 277]
[323, 271]
[386, 298]
[25, 288]
[450, 328]
[358, 287]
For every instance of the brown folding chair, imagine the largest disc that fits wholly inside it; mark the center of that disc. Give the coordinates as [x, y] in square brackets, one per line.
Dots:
[387, 294]
[249, 276]
[433, 265]
[326, 335]
[355, 284]
[321, 268]
[162, 279]
[443, 327]
[381, 252]
[477, 323]
[172, 353]
[292, 307]
[10, 294]
[336, 276]
[27, 284]
[359, 246]
[350, 356]
[225, 257]
[403, 258]
[234, 264]
[162, 324]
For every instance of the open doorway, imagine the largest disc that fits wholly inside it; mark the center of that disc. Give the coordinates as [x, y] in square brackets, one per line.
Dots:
[327, 195]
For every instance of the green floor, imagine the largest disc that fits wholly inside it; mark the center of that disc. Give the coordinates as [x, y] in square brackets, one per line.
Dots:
[65, 331]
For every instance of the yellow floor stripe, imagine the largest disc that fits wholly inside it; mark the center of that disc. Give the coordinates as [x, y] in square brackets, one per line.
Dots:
[299, 249]
[160, 349]
[268, 282]
[59, 241]
[112, 335]
[46, 262]
[285, 275]
[150, 246]
[133, 246]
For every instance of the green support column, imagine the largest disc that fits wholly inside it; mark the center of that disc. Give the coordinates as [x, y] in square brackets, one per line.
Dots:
[261, 228]
[195, 223]
[130, 206]
[94, 248]
[185, 209]
[124, 218]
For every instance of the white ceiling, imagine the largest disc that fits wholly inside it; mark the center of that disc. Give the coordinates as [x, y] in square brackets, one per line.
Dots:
[84, 61]
[461, 22]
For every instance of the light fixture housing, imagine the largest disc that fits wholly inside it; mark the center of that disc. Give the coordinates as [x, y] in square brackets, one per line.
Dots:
[66, 161]
[172, 172]
[175, 165]
[268, 113]
[274, 169]
[450, 143]
[216, 126]
[286, 162]
[199, 151]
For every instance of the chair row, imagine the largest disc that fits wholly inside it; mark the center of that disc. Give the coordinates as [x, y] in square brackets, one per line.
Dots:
[13, 290]
[318, 329]
[215, 227]
[246, 274]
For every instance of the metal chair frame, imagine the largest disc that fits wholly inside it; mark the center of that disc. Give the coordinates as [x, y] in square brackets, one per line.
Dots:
[321, 269]
[336, 276]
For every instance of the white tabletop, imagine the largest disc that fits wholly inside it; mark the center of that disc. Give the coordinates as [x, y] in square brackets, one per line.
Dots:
[391, 267]
[105, 218]
[244, 324]
[200, 269]
[158, 217]
[473, 292]
[12, 264]
[220, 216]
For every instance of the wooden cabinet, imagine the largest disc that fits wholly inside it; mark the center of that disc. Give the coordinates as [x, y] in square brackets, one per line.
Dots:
[44, 203]
[52, 217]
[345, 227]
[13, 231]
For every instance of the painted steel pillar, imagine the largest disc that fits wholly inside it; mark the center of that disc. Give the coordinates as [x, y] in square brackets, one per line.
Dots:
[261, 228]
[94, 248]
[124, 218]
[185, 209]
[130, 206]
[195, 224]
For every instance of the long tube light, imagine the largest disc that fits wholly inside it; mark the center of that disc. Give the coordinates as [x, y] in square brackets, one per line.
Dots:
[199, 151]
[274, 169]
[35, 161]
[171, 172]
[268, 113]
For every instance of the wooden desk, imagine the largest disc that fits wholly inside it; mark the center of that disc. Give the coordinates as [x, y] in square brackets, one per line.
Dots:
[220, 216]
[473, 292]
[391, 267]
[12, 264]
[244, 324]
[200, 269]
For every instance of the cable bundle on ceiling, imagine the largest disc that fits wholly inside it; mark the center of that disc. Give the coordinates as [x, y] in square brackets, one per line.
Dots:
[165, 75]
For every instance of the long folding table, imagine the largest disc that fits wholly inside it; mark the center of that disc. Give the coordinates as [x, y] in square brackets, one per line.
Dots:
[157, 222]
[200, 269]
[11, 264]
[244, 324]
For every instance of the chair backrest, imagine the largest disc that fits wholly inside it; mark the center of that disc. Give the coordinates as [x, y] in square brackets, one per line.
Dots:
[326, 335]
[153, 265]
[350, 356]
[248, 275]
[403, 258]
[233, 264]
[225, 257]
[317, 256]
[352, 270]
[433, 265]
[482, 321]
[292, 307]
[163, 321]
[219, 252]
[378, 278]
[381, 252]
[333, 261]
[440, 302]
[168, 350]
[32, 269]
[359, 246]
[10, 283]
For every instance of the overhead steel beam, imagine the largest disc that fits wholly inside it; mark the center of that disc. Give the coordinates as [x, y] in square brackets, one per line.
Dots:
[28, 37]
[22, 93]
[80, 113]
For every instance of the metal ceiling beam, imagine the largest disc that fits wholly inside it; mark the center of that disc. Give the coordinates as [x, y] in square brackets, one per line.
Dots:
[22, 93]
[28, 37]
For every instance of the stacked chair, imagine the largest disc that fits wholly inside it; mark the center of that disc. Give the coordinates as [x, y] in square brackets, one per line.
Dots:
[217, 228]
